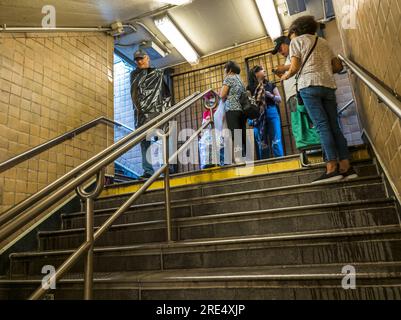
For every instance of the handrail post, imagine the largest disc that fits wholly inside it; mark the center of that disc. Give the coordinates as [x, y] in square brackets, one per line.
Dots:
[89, 230]
[167, 193]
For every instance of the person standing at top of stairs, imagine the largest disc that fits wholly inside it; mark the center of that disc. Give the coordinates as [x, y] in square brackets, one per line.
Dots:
[314, 63]
[150, 96]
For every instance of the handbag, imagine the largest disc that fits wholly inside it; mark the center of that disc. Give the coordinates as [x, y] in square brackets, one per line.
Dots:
[303, 130]
[299, 97]
[249, 106]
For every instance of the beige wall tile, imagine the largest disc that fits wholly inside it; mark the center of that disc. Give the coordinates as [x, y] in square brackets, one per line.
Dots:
[42, 77]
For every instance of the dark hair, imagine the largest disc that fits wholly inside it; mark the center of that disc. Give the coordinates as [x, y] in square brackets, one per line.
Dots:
[232, 66]
[304, 25]
[253, 81]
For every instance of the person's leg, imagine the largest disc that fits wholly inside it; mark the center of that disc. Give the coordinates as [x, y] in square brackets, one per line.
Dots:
[147, 167]
[312, 97]
[243, 121]
[258, 142]
[234, 123]
[330, 105]
[274, 128]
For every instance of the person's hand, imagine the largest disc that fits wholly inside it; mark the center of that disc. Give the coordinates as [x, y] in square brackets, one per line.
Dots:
[284, 77]
[269, 95]
[280, 70]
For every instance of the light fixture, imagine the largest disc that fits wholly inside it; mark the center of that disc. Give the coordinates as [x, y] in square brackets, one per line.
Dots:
[171, 32]
[270, 18]
[176, 2]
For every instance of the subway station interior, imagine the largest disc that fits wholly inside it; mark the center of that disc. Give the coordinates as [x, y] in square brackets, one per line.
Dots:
[121, 175]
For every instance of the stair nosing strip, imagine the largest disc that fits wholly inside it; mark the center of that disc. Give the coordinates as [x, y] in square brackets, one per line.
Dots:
[390, 229]
[155, 223]
[376, 179]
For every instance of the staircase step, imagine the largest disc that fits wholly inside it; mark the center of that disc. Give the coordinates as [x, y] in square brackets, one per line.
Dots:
[241, 184]
[266, 222]
[263, 199]
[373, 281]
[359, 245]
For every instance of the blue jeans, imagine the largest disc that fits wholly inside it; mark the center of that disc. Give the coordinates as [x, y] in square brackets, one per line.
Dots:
[262, 152]
[321, 104]
[273, 123]
[272, 131]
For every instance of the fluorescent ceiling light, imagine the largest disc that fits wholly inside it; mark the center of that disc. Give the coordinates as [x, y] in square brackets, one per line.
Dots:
[168, 28]
[175, 2]
[270, 18]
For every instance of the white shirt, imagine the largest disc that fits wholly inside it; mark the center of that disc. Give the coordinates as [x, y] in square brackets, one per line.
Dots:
[318, 70]
[289, 85]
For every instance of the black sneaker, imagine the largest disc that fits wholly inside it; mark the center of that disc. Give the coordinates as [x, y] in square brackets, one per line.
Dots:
[331, 177]
[350, 174]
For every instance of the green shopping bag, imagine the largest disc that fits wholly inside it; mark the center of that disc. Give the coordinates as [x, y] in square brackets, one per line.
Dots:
[304, 132]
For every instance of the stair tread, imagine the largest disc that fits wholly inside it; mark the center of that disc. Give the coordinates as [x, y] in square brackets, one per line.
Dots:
[360, 181]
[292, 212]
[389, 229]
[295, 272]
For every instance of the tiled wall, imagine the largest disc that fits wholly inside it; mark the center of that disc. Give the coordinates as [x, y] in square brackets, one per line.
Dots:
[124, 113]
[49, 84]
[349, 119]
[375, 44]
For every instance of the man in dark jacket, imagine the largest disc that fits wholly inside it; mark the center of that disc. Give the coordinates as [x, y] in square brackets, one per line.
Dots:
[150, 96]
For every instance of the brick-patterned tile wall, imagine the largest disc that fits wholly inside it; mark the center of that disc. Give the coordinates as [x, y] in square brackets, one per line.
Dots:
[375, 44]
[49, 84]
[349, 119]
[238, 54]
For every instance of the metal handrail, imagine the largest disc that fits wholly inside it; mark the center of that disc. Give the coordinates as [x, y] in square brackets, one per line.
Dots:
[98, 168]
[29, 154]
[88, 245]
[36, 204]
[34, 199]
[343, 109]
[381, 91]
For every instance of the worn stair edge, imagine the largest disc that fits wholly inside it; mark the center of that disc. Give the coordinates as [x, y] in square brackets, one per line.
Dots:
[360, 181]
[324, 236]
[287, 212]
[272, 214]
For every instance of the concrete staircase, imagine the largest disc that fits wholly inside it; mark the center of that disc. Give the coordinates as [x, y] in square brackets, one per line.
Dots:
[264, 236]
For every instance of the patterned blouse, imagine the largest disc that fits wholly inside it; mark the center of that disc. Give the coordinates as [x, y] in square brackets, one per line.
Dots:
[236, 89]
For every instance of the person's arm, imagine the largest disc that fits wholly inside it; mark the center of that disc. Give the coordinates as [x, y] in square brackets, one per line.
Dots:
[280, 70]
[337, 65]
[296, 60]
[294, 68]
[224, 92]
[277, 96]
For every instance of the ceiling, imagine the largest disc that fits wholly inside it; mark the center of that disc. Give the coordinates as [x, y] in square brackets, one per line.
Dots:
[210, 25]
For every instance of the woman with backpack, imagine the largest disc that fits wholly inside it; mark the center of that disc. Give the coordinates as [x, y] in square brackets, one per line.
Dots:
[231, 93]
[267, 128]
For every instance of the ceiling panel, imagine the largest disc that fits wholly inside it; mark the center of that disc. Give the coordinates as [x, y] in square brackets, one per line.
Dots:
[73, 13]
[210, 25]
